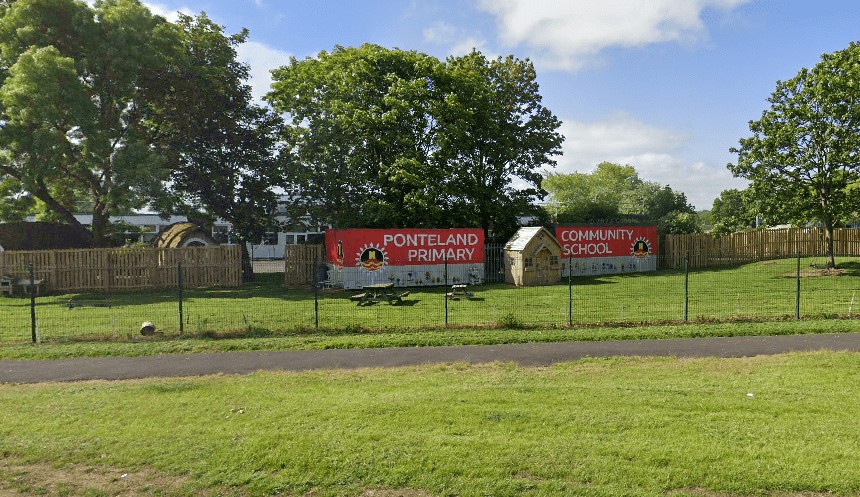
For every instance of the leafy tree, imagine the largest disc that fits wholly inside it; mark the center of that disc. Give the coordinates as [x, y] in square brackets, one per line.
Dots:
[71, 118]
[605, 193]
[802, 157]
[222, 147]
[495, 136]
[389, 138]
[679, 223]
[732, 212]
[360, 136]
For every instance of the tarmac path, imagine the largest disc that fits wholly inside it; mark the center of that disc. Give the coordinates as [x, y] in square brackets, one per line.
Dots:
[531, 354]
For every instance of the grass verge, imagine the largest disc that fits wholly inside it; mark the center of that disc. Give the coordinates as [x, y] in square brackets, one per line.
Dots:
[768, 425]
[358, 338]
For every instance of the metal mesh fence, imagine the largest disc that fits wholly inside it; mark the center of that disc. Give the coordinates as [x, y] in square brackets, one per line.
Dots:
[781, 288]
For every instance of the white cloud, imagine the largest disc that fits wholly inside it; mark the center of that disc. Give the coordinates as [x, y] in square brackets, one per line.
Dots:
[570, 34]
[653, 151]
[262, 59]
[171, 15]
[460, 42]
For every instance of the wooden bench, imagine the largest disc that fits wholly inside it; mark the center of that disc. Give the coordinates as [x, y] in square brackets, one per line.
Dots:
[458, 291]
[360, 296]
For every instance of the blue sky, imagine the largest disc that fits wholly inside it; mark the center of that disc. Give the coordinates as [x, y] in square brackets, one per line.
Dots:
[667, 86]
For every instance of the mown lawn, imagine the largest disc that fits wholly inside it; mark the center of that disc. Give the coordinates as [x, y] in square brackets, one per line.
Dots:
[776, 425]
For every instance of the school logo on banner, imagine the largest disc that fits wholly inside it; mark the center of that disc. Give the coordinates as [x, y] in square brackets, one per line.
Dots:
[641, 248]
[371, 258]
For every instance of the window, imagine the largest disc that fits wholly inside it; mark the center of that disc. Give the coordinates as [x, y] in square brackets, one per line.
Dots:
[290, 239]
[270, 239]
[221, 234]
[553, 261]
[300, 238]
[528, 263]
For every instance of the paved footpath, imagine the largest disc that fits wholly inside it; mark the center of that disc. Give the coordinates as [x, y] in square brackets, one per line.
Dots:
[533, 354]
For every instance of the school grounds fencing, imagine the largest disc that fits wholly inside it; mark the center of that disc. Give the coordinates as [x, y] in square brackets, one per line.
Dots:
[785, 288]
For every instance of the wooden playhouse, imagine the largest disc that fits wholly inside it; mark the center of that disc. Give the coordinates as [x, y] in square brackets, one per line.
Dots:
[532, 257]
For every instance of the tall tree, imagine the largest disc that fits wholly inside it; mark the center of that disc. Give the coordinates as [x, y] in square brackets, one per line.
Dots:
[388, 138]
[360, 136]
[71, 118]
[803, 155]
[495, 137]
[221, 146]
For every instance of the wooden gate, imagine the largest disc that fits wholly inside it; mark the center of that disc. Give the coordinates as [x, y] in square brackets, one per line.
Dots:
[300, 262]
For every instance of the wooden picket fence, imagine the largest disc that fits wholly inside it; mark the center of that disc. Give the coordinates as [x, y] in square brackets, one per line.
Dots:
[705, 250]
[300, 262]
[125, 269]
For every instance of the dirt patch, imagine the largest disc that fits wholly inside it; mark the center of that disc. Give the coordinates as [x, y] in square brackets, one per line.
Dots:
[407, 492]
[812, 272]
[44, 479]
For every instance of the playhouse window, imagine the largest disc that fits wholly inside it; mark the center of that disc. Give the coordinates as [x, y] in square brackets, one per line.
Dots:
[528, 263]
[553, 261]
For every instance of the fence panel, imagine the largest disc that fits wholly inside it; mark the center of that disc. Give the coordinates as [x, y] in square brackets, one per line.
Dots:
[705, 250]
[299, 264]
[111, 270]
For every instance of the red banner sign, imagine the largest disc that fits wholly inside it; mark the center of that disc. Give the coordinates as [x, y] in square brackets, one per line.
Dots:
[372, 249]
[583, 242]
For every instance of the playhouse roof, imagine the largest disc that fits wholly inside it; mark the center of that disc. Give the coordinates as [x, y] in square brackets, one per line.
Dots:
[524, 236]
[178, 235]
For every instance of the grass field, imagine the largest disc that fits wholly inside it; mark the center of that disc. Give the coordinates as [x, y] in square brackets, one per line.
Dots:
[778, 425]
[762, 290]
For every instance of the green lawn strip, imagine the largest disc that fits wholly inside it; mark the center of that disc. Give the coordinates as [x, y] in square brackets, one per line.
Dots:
[215, 343]
[632, 426]
[762, 290]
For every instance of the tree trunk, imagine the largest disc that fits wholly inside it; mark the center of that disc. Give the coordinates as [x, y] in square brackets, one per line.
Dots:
[101, 220]
[247, 266]
[828, 241]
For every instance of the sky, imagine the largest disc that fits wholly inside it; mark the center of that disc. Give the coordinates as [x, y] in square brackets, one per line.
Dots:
[666, 86]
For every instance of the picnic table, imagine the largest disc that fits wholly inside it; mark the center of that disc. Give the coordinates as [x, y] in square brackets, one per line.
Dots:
[25, 284]
[458, 291]
[382, 292]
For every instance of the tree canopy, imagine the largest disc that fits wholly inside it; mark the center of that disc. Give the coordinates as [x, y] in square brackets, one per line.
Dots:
[392, 138]
[611, 192]
[732, 211]
[116, 108]
[72, 117]
[803, 156]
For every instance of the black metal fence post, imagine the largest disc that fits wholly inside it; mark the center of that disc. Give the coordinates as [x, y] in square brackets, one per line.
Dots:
[570, 291]
[179, 282]
[32, 288]
[797, 298]
[686, 283]
[445, 292]
[316, 297]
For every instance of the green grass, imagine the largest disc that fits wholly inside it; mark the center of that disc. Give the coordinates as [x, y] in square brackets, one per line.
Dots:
[213, 343]
[777, 425]
[763, 290]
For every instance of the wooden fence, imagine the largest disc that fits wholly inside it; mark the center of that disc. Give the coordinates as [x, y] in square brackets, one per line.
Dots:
[111, 270]
[300, 262]
[749, 246]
